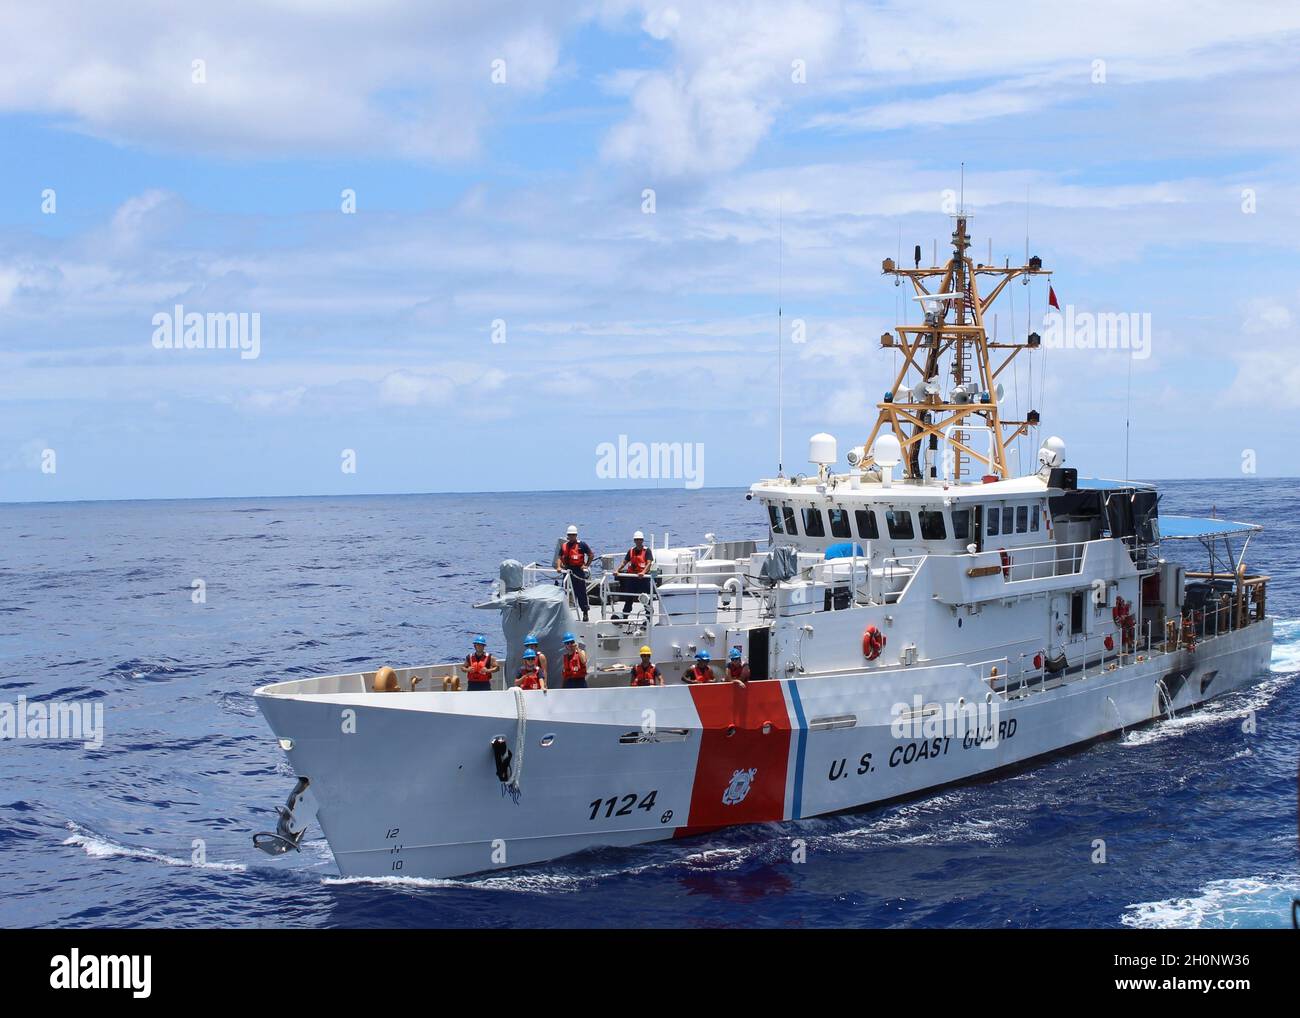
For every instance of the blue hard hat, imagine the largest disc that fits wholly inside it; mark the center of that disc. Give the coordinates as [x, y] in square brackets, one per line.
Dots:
[701, 655]
[531, 640]
[481, 639]
[529, 654]
[735, 654]
[570, 638]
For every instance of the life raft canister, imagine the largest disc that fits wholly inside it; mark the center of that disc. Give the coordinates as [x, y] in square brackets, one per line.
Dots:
[571, 555]
[873, 642]
[574, 666]
[638, 560]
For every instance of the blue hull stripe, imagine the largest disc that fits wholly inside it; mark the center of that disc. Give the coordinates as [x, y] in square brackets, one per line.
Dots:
[797, 807]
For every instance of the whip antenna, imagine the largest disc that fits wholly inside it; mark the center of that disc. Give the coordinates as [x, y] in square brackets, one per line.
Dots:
[780, 392]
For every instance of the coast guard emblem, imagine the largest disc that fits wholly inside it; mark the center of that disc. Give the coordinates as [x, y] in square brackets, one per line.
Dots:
[739, 787]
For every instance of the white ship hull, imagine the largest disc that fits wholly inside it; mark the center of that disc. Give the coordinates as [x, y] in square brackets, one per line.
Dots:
[406, 784]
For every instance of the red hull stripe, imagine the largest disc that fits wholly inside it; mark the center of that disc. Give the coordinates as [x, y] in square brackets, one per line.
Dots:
[740, 774]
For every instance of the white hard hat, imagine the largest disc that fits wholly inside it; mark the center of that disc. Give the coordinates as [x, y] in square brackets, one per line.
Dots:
[638, 536]
[572, 529]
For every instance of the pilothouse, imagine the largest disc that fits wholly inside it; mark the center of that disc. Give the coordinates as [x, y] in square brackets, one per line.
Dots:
[925, 615]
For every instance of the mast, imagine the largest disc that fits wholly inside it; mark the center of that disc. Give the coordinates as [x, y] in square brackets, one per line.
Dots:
[927, 405]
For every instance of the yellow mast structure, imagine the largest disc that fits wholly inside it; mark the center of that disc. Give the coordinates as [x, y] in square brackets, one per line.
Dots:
[915, 408]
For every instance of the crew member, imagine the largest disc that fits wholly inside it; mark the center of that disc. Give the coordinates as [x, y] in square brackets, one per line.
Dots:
[528, 676]
[701, 671]
[575, 664]
[634, 573]
[530, 643]
[644, 673]
[479, 666]
[737, 666]
[573, 556]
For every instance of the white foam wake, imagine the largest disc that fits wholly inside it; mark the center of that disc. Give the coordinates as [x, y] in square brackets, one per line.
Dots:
[1237, 704]
[1244, 902]
[1286, 647]
[99, 847]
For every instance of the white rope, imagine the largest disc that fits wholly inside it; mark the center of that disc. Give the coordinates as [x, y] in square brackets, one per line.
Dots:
[521, 732]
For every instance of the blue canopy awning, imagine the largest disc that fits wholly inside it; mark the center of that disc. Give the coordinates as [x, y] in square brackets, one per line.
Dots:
[1183, 528]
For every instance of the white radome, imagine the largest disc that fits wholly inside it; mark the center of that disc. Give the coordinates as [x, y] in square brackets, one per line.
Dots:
[822, 450]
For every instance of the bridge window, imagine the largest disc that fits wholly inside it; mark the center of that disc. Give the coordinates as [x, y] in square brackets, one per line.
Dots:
[791, 527]
[867, 528]
[900, 525]
[775, 518]
[1034, 512]
[839, 523]
[1022, 519]
[991, 517]
[961, 524]
[932, 528]
[813, 525]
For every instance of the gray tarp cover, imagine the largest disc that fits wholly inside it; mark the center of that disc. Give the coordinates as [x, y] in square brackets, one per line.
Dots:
[541, 609]
[782, 563]
[512, 574]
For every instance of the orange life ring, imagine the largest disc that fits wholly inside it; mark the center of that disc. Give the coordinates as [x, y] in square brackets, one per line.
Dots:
[873, 642]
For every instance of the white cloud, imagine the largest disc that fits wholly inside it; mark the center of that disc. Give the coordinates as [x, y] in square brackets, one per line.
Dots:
[408, 78]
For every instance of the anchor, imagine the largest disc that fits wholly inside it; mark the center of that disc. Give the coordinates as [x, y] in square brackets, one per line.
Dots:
[284, 837]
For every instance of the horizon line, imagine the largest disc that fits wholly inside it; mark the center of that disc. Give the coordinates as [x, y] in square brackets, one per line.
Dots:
[512, 491]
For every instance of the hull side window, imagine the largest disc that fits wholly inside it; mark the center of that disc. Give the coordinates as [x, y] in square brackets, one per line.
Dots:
[900, 525]
[932, 528]
[813, 525]
[961, 524]
[790, 526]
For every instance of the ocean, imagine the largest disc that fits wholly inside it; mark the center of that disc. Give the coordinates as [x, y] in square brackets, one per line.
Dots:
[99, 606]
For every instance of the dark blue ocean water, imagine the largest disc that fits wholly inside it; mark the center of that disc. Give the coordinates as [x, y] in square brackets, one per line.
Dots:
[1198, 816]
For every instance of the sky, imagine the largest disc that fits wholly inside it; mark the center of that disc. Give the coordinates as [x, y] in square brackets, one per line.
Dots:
[485, 242]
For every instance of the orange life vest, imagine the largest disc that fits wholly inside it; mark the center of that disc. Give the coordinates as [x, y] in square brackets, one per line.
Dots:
[574, 666]
[638, 560]
[644, 675]
[701, 676]
[478, 668]
[736, 670]
[572, 555]
[530, 678]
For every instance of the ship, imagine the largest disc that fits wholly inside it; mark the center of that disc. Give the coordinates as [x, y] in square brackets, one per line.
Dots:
[920, 615]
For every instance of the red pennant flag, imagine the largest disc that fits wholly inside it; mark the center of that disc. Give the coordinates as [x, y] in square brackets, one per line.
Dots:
[1051, 298]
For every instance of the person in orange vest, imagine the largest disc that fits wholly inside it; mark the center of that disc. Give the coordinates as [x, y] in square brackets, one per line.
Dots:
[644, 673]
[530, 643]
[575, 664]
[573, 556]
[529, 677]
[701, 671]
[634, 573]
[479, 666]
[737, 667]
